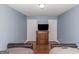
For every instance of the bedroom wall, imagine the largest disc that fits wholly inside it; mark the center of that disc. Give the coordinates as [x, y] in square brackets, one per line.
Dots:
[41, 19]
[31, 32]
[12, 26]
[68, 26]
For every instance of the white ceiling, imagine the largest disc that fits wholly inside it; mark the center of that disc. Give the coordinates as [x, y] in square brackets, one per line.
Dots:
[49, 10]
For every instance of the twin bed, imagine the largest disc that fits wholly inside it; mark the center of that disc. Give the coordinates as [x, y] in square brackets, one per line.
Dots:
[64, 48]
[20, 48]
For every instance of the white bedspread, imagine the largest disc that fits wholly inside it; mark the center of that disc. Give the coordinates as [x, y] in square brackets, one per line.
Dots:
[20, 50]
[67, 50]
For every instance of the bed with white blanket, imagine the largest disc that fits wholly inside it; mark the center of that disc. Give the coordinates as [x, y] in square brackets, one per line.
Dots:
[64, 49]
[20, 48]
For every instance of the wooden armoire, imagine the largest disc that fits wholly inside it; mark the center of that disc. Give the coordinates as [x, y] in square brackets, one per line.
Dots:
[42, 37]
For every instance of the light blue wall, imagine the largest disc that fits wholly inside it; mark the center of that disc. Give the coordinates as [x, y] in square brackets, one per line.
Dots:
[12, 26]
[68, 26]
[42, 19]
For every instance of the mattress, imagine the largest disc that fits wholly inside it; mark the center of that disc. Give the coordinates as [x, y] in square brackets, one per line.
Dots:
[20, 50]
[64, 50]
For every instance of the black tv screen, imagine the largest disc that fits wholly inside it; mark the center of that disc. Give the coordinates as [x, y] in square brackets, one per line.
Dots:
[42, 26]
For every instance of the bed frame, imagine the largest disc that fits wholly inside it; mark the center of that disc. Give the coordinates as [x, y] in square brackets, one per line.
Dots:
[64, 45]
[25, 45]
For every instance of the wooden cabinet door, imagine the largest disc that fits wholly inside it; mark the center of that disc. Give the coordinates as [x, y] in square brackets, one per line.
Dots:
[42, 37]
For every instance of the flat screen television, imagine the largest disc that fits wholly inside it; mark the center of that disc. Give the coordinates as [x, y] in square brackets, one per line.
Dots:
[43, 26]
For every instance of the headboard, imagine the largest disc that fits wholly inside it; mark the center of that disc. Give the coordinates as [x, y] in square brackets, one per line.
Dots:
[64, 45]
[25, 45]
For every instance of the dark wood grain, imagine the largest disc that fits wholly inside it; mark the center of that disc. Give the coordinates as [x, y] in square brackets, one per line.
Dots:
[64, 45]
[25, 45]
